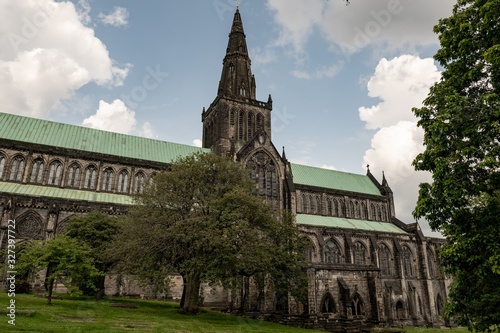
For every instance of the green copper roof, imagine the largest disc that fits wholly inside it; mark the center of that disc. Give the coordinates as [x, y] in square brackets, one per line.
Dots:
[343, 223]
[68, 194]
[332, 179]
[24, 129]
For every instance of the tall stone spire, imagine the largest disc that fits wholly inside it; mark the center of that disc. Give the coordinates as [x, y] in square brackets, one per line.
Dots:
[237, 81]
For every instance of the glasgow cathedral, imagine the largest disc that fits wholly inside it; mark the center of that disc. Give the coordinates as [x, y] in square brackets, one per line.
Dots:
[365, 266]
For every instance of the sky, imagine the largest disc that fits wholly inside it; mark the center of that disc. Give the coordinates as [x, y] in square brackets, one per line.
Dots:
[343, 78]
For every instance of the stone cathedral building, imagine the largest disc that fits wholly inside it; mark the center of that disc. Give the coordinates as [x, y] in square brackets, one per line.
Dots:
[365, 266]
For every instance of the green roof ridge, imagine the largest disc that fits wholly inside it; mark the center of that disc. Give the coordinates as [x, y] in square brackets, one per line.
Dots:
[51, 133]
[333, 179]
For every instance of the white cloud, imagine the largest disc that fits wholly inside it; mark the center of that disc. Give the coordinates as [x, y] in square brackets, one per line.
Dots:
[197, 143]
[117, 117]
[324, 72]
[118, 17]
[401, 83]
[393, 23]
[114, 117]
[47, 53]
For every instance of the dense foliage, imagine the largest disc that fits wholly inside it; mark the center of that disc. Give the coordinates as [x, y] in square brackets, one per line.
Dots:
[64, 259]
[461, 121]
[201, 219]
[96, 230]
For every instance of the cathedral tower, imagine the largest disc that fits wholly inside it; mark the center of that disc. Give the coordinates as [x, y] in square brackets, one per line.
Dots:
[236, 117]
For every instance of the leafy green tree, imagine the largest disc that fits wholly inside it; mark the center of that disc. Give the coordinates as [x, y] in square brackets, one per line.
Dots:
[461, 118]
[202, 220]
[96, 230]
[65, 259]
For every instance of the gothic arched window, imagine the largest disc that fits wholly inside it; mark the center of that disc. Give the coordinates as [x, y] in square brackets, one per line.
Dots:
[408, 268]
[36, 175]
[332, 253]
[123, 180]
[17, 169]
[241, 123]
[431, 262]
[362, 209]
[385, 257]
[357, 305]
[264, 172]
[250, 125]
[55, 173]
[312, 204]
[359, 254]
[231, 118]
[108, 176]
[2, 165]
[73, 179]
[305, 206]
[328, 304]
[90, 179]
[139, 182]
[329, 207]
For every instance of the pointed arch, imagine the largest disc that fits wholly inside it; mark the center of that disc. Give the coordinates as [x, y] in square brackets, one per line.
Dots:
[431, 262]
[328, 304]
[55, 173]
[305, 205]
[74, 174]
[400, 310]
[90, 178]
[139, 181]
[36, 175]
[360, 254]
[357, 305]
[17, 168]
[107, 180]
[386, 260]
[329, 207]
[265, 172]
[333, 255]
[123, 181]
[260, 121]
[250, 125]
[408, 268]
[241, 125]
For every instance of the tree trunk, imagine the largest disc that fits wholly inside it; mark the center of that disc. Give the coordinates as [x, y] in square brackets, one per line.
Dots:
[50, 287]
[100, 288]
[192, 293]
[183, 297]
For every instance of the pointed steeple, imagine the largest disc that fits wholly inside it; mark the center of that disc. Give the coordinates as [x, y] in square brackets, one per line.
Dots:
[237, 80]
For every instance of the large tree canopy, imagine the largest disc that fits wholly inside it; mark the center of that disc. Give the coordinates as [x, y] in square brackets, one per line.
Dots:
[461, 118]
[96, 230]
[202, 220]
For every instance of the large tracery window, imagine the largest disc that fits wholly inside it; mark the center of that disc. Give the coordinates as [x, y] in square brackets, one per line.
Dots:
[73, 179]
[55, 173]
[36, 175]
[263, 171]
[90, 180]
[139, 180]
[385, 257]
[17, 169]
[108, 176]
[328, 304]
[123, 180]
[409, 270]
[332, 253]
[359, 254]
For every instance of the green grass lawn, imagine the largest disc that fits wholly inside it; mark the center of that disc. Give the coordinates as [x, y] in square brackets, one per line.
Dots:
[86, 315]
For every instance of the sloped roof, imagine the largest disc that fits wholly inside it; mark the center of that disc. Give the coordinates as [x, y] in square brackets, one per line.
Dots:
[332, 179]
[66, 193]
[343, 223]
[44, 132]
